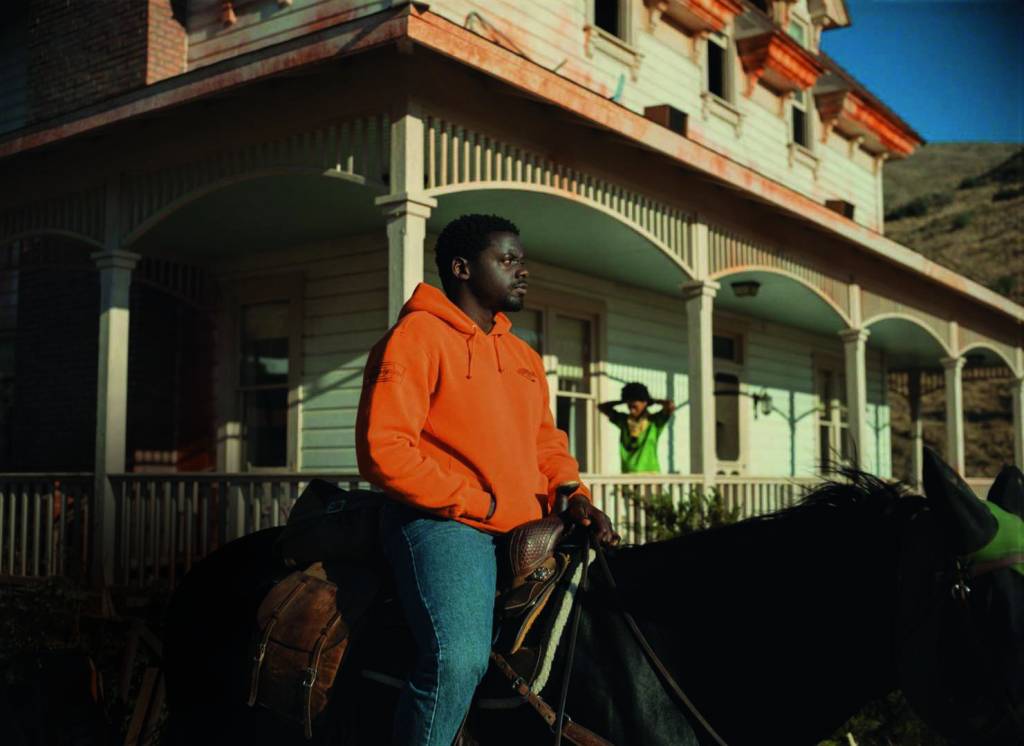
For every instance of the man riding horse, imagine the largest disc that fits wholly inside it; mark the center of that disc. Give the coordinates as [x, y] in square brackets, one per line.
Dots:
[455, 427]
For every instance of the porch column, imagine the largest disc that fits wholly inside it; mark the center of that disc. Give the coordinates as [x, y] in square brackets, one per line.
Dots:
[115, 267]
[699, 297]
[855, 358]
[407, 231]
[406, 209]
[916, 428]
[953, 367]
[1018, 422]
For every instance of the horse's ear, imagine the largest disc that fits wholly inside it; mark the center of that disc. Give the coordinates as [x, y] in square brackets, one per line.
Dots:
[1008, 490]
[968, 523]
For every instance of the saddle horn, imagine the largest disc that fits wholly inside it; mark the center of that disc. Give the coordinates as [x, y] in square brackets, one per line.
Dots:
[1008, 490]
[968, 524]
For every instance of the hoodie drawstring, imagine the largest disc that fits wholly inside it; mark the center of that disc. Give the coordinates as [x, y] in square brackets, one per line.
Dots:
[469, 353]
[497, 354]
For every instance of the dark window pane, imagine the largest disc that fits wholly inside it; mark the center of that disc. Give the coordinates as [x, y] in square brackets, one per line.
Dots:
[264, 358]
[727, 417]
[799, 127]
[724, 348]
[571, 341]
[571, 418]
[606, 15]
[716, 69]
[265, 422]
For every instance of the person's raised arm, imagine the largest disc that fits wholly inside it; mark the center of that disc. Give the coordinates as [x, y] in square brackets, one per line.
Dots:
[400, 376]
[608, 408]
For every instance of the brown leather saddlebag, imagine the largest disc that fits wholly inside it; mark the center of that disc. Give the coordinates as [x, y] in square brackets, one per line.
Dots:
[303, 631]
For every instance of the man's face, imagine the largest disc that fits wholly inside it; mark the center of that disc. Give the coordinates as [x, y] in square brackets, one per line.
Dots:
[636, 407]
[498, 274]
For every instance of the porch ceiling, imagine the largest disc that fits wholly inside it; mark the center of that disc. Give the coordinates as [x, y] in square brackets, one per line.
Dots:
[568, 234]
[262, 214]
[780, 299]
[906, 344]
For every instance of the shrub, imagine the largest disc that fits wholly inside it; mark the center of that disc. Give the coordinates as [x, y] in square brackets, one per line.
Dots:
[920, 206]
[962, 219]
[1008, 193]
[698, 511]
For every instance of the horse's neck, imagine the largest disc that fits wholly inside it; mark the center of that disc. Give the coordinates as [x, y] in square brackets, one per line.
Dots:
[788, 621]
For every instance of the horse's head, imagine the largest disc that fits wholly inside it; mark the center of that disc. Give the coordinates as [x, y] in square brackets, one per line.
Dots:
[962, 615]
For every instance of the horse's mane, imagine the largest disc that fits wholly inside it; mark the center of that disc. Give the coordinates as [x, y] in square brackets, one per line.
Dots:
[857, 497]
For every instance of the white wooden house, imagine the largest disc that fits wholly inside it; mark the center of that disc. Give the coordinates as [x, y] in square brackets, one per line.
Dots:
[230, 226]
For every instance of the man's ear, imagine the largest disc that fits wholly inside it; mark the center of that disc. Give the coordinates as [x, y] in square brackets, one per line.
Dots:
[460, 268]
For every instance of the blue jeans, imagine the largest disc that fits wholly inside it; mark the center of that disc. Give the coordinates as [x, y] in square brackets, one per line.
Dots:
[445, 573]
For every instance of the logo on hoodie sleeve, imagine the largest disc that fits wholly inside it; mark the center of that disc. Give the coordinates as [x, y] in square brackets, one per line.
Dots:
[386, 372]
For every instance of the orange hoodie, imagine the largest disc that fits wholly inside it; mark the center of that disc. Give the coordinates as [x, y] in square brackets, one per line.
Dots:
[450, 416]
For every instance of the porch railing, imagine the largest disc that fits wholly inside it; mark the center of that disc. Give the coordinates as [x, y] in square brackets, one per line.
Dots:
[44, 524]
[167, 522]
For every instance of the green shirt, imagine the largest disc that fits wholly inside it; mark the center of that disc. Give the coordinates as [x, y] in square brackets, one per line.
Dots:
[638, 450]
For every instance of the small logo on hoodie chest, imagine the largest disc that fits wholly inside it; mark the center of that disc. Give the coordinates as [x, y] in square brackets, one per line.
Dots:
[528, 374]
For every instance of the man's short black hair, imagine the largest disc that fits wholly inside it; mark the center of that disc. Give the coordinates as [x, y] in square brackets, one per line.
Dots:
[467, 236]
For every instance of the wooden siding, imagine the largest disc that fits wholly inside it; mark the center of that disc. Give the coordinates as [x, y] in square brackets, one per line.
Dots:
[551, 34]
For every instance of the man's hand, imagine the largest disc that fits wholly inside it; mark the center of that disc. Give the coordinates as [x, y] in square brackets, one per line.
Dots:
[585, 513]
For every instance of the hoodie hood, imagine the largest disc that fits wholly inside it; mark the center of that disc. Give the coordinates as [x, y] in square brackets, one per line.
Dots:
[433, 301]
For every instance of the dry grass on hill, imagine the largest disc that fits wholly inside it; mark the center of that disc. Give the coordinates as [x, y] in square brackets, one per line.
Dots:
[962, 205]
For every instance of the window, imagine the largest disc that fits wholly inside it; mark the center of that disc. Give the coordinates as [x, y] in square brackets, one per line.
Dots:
[726, 347]
[607, 17]
[566, 341]
[799, 32]
[576, 400]
[716, 61]
[727, 417]
[799, 119]
[833, 437]
[263, 384]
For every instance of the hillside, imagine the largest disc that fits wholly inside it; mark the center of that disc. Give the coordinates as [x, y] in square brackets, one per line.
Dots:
[962, 205]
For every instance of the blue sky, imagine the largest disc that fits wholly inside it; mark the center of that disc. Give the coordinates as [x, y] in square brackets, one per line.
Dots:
[952, 69]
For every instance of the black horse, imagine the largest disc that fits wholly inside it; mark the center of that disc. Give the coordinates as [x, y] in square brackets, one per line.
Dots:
[778, 628]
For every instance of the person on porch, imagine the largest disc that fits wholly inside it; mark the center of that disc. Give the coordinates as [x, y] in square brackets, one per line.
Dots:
[455, 427]
[639, 428]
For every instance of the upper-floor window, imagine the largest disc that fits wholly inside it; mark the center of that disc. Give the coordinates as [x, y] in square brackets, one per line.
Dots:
[798, 31]
[608, 16]
[717, 66]
[799, 121]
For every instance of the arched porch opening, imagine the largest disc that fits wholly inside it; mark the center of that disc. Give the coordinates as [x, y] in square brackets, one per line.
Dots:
[989, 378]
[913, 354]
[779, 379]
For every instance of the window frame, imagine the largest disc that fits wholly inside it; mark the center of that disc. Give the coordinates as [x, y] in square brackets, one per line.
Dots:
[250, 292]
[737, 368]
[550, 304]
[838, 421]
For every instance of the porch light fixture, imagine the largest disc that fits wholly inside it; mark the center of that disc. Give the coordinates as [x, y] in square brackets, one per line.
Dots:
[746, 289]
[763, 400]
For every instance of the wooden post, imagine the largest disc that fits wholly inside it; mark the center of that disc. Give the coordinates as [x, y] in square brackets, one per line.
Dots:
[699, 297]
[115, 268]
[854, 355]
[953, 367]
